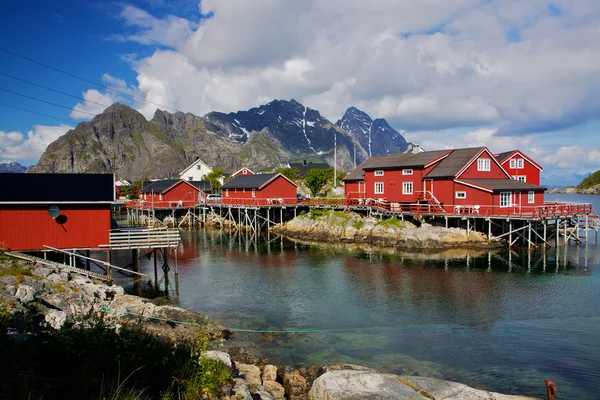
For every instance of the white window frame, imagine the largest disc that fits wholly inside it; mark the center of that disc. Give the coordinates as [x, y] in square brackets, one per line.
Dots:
[531, 197]
[253, 192]
[160, 196]
[226, 192]
[460, 195]
[244, 171]
[379, 188]
[522, 178]
[198, 167]
[504, 196]
[513, 163]
[484, 164]
[408, 171]
[379, 172]
[407, 188]
[520, 163]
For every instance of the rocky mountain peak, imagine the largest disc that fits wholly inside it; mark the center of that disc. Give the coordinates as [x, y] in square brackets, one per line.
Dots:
[12, 167]
[376, 136]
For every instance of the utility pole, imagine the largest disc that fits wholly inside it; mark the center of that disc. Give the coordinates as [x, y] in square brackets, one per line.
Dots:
[354, 146]
[334, 159]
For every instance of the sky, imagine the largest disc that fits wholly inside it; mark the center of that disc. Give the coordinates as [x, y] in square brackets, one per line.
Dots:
[506, 74]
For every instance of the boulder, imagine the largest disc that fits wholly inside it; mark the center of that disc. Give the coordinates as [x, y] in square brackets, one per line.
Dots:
[355, 385]
[250, 373]
[269, 373]
[275, 389]
[25, 294]
[219, 356]
[294, 383]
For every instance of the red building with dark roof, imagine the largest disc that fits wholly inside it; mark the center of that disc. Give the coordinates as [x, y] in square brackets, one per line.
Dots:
[65, 211]
[459, 180]
[174, 193]
[259, 189]
[520, 167]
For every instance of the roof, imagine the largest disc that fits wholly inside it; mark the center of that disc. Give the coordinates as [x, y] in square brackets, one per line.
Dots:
[503, 157]
[304, 168]
[357, 173]
[57, 188]
[497, 185]
[256, 181]
[407, 160]
[450, 166]
[198, 161]
[242, 170]
[204, 186]
[158, 186]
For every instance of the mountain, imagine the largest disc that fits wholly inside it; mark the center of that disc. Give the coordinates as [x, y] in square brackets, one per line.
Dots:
[122, 141]
[560, 181]
[12, 167]
[377, 137]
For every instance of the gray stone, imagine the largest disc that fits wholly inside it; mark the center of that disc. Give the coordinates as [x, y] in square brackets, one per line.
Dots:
[275, 389]
[250, 373]
[55, 318]
[43, 271]
[54, 278]
[25, 294]
[269, 373]
[219, 356]
[241, 390]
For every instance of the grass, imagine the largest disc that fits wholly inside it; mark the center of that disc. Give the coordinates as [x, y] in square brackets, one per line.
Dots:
[358, 224]
[18, 272]
[390, 223]
[318, 213]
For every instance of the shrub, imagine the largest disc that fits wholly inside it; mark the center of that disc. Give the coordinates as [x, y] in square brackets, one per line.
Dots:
[358, 224]
[318, 212]
[390, 223]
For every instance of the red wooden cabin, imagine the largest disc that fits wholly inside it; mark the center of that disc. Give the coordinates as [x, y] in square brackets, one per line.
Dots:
[174, 193]
[259, 189]
[65, 211]
[520, 167]
[456, 181]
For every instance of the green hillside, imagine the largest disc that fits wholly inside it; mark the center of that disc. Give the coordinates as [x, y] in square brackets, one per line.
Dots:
[590, 181]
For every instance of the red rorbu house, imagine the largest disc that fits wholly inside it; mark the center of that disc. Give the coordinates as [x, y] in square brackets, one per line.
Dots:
[259, 189]
[65, 211]
[174, 193]
[243, 171]
[520, 167]
[452, 181]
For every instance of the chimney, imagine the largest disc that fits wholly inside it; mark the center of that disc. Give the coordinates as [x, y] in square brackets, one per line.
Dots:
[413, 148]
[304, 162]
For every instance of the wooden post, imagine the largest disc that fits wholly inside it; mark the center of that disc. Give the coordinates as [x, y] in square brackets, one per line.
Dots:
[155, 268]
[529, 235]
[176, 269]
[509, 233]
[87, 261]
[108, 260]
[545, 223]
[281, 215]
[565, 241]
[489, 230]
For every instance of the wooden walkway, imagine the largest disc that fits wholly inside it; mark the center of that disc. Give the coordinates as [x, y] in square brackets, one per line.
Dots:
[54, 264]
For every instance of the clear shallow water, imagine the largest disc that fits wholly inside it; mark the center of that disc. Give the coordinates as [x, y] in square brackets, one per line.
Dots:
[501, 321]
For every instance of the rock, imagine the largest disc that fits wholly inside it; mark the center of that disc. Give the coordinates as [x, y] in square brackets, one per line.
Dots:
[250, 373]
[219, 356]
[43, 272]
[295, 384]
[241, 390]
[355, 385]
[25, 293]
[54, 278]
[275, 389]
[55, 318]
[269, 373]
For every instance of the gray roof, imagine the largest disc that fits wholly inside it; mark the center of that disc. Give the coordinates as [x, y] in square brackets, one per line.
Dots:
[498, 185]
[358, 173]
[158, 186]
[57, 187]
[451, 165]
[407, 160]
[502, 156]
[248, 181]
[304, 168]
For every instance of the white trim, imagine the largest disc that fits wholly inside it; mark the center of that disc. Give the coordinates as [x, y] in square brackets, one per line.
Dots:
[378, 172]
[477, 156]
[529, 160]
[405, 187]
[484, 164]
[407, 171]
[456, 194]
[253, 192]
[531, 197]
[510, 199]
[474, 186]
[375, 188]
[437, 159]
[60, 202]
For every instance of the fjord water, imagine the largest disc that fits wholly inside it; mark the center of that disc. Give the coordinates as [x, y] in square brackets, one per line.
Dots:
[502, 321]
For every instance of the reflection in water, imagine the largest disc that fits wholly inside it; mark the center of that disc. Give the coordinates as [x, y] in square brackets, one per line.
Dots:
[503, 320]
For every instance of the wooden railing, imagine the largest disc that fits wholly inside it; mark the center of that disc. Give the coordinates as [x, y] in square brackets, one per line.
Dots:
[149, 205]
[143, 238]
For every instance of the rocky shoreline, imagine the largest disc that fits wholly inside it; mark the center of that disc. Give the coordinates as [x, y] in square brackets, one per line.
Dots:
[339, 227]
[52, 297]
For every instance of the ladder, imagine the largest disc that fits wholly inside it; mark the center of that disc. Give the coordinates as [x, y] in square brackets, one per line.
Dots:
[54, 264]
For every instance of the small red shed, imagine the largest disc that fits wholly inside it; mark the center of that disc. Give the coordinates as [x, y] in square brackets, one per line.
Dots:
[241, 172]
[520, 167]
[259, 189]
[175, 193]
[65, 211]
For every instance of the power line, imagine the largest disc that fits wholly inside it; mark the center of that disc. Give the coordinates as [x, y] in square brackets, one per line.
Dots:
[53, 90]
[47, 102]
[33, 112]
[85, 80]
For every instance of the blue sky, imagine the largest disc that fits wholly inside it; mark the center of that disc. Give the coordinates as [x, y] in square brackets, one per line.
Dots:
[502, 73]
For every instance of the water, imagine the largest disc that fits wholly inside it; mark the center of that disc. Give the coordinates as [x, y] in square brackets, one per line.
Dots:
[501, 321]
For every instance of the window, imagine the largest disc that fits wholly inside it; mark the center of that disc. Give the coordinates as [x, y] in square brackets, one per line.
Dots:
[461, 195]
[505, 199]
[483, 164]
[226, 192]
[378, 187]
[160, 196]
[244, 171]
[379, 173]
[198, 167]
[513, 163]
[408, 171]
[190, 178]
[531, 197]
[521, 178]
[253, 192]
[407, 187]
[520, 163]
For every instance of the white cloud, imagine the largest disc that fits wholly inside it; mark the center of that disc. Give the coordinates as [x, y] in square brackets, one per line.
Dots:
[95, 102]
[15, 146]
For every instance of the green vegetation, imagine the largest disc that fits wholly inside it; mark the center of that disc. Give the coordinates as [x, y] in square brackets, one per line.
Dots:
[592, 180]
[340, 175]
[290, 173]
[132, 191]
[214, 177]
[18, 272]
[390, 223]
[90, 360]
[358, 224]
[318, 213]
[315, 179]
